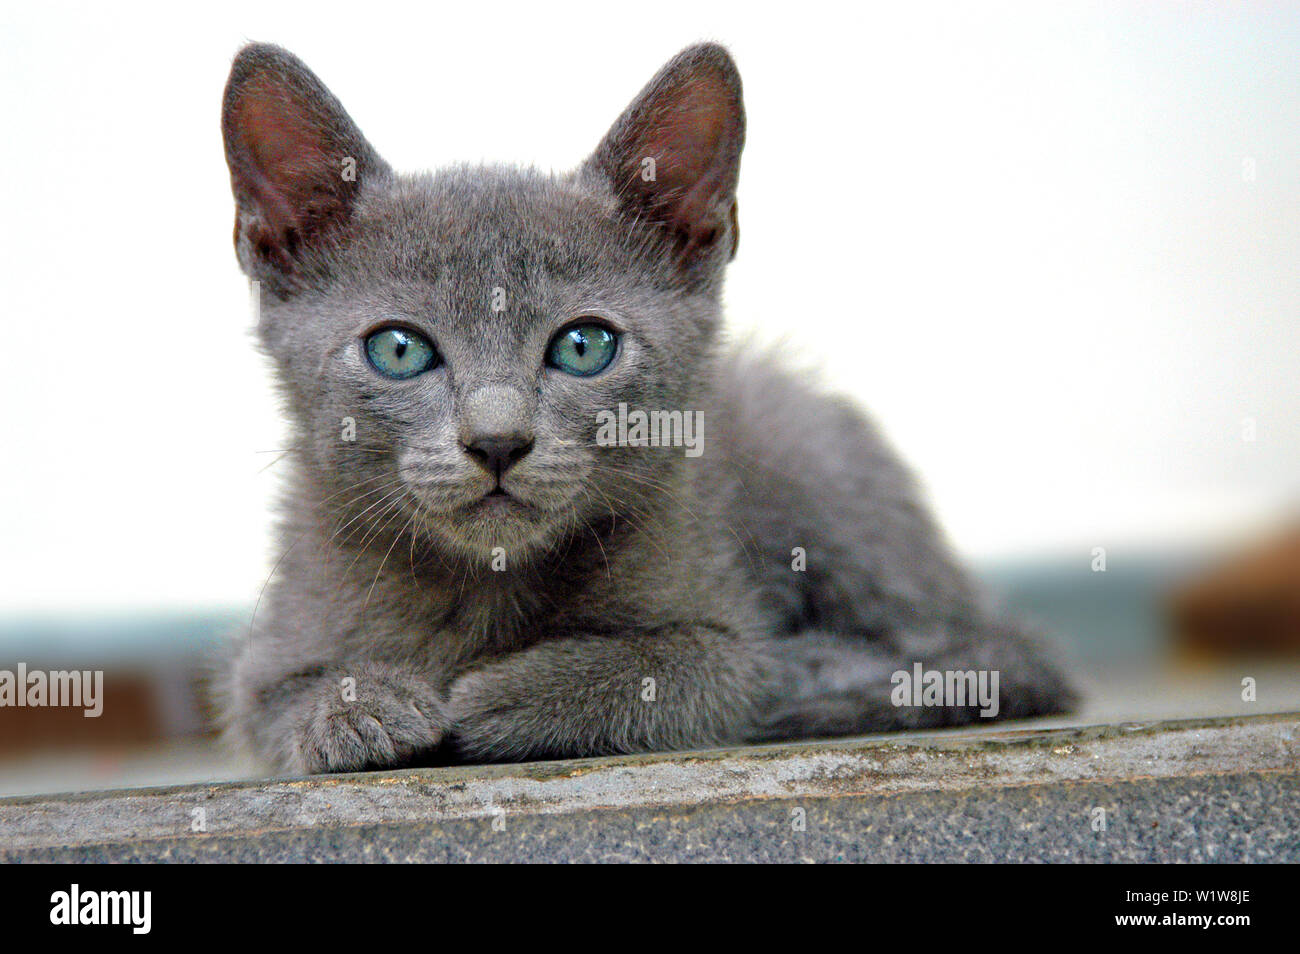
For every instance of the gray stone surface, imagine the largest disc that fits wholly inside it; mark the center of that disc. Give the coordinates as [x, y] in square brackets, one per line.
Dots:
[1209, 790]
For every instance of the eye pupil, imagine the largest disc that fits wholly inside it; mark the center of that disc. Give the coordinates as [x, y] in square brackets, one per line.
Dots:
[400, 349]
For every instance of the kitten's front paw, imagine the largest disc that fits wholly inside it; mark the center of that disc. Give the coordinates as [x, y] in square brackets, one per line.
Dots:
[374, 719]
[490, 716]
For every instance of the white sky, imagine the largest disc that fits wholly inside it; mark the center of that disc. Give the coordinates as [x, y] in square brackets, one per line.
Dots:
[1026, 239]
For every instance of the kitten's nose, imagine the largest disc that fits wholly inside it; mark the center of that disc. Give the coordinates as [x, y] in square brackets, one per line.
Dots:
[496, 426]
[499, 453]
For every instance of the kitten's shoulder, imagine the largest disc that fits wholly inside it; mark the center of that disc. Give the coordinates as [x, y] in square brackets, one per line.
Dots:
[770, 397]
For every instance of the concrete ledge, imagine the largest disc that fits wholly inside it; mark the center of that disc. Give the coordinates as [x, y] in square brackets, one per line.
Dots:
[1212, 790]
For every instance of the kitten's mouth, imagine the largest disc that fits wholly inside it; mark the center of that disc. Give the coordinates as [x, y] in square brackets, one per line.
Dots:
[497, 500]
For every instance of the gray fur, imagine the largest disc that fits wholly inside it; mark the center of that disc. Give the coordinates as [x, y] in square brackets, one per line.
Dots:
[631, 563]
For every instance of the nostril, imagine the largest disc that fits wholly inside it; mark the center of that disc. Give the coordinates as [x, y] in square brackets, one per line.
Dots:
[499, 454]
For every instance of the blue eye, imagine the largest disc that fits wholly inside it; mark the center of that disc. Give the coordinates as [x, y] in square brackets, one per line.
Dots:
[399, 353]
[582, 349]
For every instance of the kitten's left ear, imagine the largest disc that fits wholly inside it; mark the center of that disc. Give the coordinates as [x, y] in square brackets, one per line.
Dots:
[297, 161]
[673, 158]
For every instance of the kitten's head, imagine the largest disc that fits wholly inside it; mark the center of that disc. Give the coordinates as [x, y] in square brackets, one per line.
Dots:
[448, 341]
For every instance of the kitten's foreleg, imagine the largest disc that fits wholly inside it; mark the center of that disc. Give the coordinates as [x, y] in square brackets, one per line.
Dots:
[673, 687]
[342, 718]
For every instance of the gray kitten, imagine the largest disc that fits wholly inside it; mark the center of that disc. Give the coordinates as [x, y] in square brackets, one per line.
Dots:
[473, 569]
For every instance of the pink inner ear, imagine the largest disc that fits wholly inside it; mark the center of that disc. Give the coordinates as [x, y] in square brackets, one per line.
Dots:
[687, 134]
[285, 164]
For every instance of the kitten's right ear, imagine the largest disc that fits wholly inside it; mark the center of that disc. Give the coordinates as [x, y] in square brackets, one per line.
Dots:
[297, 161]
[673, 158]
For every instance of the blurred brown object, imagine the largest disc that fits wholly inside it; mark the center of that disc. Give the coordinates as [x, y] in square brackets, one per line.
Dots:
[140, 707]
[1250, 604]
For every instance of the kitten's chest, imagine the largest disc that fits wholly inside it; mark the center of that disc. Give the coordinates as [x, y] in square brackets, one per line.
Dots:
[484, 617]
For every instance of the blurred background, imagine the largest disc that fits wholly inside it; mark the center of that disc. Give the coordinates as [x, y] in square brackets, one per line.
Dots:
[1052, 248]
